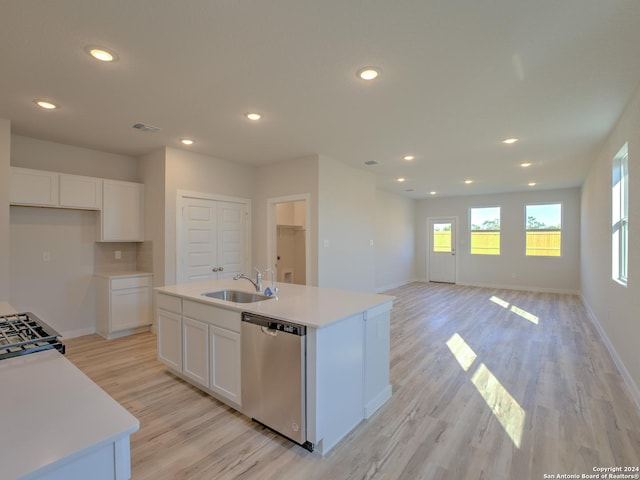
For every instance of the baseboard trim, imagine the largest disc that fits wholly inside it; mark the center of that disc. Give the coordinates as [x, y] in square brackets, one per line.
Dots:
[376, 402]
[626, 376]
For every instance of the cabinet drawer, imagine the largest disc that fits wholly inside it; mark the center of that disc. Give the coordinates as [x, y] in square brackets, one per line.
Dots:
[130, 282]
[169, 303]
[214, 315]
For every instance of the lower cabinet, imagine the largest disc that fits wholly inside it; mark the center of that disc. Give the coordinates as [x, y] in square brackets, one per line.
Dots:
[195, 350]
[201, 342]
[224, 349]
[170, 339]
[123, 304]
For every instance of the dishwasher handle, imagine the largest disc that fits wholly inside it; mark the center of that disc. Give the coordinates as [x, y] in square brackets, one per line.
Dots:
[272, 326]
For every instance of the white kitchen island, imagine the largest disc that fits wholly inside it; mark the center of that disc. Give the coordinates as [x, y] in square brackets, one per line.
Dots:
[57, 423]
[347, 347]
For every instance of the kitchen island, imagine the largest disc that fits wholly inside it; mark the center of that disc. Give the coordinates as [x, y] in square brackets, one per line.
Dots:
[347, 347]
[57, 423]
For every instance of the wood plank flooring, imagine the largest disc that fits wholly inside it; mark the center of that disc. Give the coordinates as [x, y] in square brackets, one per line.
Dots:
[487, 384]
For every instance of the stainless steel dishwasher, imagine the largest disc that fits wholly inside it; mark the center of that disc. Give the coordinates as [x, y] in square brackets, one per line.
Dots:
[274, 375]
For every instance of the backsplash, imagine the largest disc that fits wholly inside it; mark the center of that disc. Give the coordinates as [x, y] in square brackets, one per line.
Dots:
[104, 258]
[144, 256]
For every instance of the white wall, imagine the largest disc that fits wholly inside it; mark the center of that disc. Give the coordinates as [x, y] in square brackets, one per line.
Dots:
[394, 240]
[197, 173]
[511, 269]
[291, 177]
[43, 155]
[615, 308]
[346, 226]
[5, 168]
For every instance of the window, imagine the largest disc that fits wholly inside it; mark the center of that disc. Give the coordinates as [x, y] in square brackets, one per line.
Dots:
[485, 231]
[543, 230]
[620, 215]
[442, 238]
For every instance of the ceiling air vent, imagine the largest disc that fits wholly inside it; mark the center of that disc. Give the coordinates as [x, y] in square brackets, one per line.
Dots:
[143, 127]
[371, 162]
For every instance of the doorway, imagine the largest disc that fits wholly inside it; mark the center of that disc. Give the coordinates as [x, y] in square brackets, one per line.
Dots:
[288, 245]
[442, 249]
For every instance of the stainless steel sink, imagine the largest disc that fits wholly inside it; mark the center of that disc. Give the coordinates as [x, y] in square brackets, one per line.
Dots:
[237, 296]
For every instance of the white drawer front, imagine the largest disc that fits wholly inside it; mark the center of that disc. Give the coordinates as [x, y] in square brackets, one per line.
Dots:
[130, 282]
[214, 315]
[169, 303]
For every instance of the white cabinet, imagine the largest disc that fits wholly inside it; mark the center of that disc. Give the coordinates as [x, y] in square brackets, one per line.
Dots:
[80, 192]
[224, 350]
[201, 342]
[123, 304]
[51, 189]
[195, 350]
[169, 331]
[121, 218]
[33, 187]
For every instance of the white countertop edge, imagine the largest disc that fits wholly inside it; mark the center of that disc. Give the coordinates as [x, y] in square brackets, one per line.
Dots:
[298, 304]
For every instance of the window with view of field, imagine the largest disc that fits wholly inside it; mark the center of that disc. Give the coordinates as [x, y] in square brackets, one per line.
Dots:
[543, 230]
[485, 230]
[620, 215]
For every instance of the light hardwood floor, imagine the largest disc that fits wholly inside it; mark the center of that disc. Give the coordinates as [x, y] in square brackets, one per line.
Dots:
[487, 384]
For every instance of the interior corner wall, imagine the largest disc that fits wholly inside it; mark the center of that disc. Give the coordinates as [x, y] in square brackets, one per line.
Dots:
[346, 227]
[289, 177]
[614, 307]
[197, 173]
[5, 178]
[394, 246]
[510, 269]
[151, 170]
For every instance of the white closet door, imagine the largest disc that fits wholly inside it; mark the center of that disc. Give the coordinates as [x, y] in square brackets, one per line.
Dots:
[200, 240]
[231, 218]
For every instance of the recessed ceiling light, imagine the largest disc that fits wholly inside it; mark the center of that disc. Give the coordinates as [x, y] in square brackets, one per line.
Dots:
[368, 73]
[509, 141]
[186, 141]
[432, 193]
[525, 164]
[44, 104]
[532, 184]
[468, 181]
[400, 179]
[102, 54]
[408, 158]
[253, 116]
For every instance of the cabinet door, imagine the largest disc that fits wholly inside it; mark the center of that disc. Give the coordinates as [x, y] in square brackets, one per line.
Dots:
[224, 348]
[195, 358]
[170, 339]
[33, 187]
[80, 192]
[130, 308]
[121, 219]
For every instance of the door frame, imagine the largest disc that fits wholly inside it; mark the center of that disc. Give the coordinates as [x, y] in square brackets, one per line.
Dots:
[441, 219]
[180, 201]
[272, 229]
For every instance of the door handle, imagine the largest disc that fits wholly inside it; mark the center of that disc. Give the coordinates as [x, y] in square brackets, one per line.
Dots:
[215, 269]
[221, 269]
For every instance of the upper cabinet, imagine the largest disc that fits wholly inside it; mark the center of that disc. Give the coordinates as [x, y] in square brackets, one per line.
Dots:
[121, 218]
[51, 189]
[34, 187]
[80, 192]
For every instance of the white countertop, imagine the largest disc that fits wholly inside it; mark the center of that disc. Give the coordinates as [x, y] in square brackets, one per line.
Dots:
[311, 306]
[52, 412]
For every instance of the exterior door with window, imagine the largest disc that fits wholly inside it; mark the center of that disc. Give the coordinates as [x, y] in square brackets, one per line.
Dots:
[442, 251]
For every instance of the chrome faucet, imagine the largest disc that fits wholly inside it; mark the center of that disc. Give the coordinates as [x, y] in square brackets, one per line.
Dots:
[257, 283]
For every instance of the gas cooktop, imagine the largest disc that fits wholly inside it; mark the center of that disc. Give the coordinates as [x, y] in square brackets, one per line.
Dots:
[24, 333]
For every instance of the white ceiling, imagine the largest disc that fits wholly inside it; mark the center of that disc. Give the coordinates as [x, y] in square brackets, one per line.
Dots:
[458, 76]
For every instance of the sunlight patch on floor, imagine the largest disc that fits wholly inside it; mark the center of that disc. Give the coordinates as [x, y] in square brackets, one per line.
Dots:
[463, 353]
[505, 408]
[517, 310]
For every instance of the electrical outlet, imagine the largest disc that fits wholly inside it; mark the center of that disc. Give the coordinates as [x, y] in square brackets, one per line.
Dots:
[118, 255]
